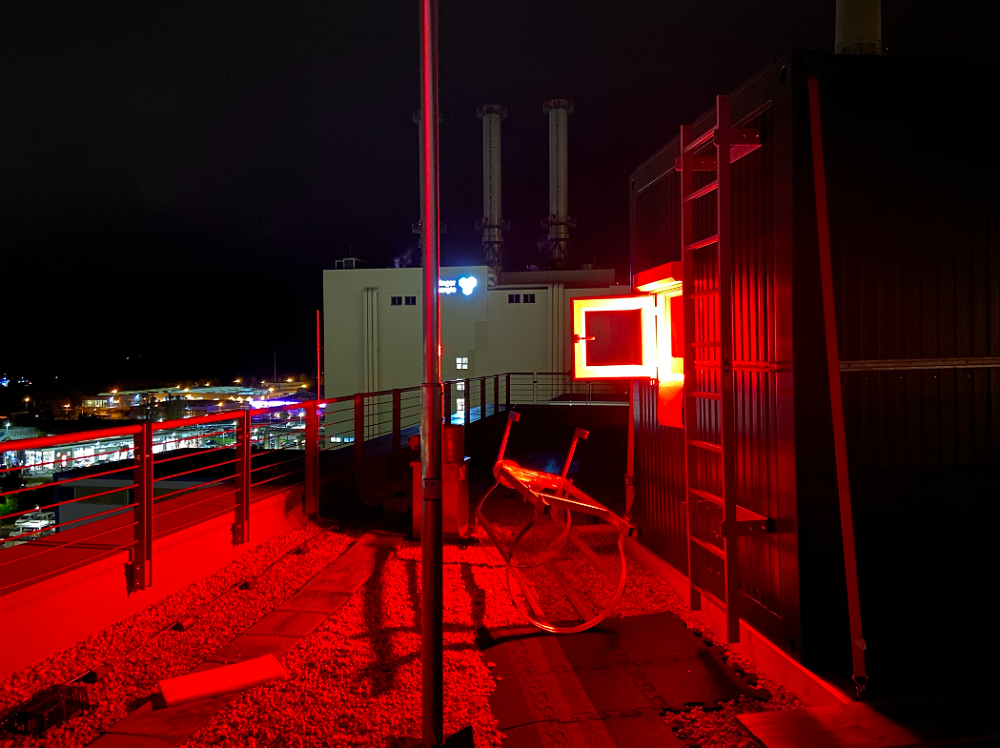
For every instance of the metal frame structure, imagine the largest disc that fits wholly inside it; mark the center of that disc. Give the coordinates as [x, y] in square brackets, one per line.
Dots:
[555, 497]
[710, 432]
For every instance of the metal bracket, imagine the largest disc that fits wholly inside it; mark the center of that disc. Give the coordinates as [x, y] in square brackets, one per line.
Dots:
[134, 578]
[238, 535]
[746, 523]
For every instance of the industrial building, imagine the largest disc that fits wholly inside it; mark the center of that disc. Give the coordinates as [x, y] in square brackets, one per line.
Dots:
[492, 321]
[372, 323]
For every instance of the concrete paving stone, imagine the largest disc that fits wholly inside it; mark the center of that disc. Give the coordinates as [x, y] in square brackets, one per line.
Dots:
[315, 601]
[249, 646]
[292, 623]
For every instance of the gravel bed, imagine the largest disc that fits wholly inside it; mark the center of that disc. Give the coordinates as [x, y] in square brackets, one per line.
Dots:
[222, 612]
[355, 680]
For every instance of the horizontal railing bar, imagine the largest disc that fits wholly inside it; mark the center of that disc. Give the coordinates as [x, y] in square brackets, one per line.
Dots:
[36, 442]
[191, 504]
[69, 501]
[67, 480]
[164, 460]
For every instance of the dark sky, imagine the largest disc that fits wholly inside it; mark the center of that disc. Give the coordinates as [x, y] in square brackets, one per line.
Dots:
[175, 176]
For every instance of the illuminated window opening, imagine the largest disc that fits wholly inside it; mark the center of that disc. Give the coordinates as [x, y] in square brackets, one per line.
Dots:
[462, 362]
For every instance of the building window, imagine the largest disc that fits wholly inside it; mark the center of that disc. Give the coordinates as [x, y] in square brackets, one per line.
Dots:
[461, 386]
[411, 301]
[513, 298]
[460, 405]
[462, 363]
[529, 298]
[396, 301]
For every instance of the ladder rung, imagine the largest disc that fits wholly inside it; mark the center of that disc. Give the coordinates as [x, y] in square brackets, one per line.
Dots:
[700, 140]
[717, 448]
[703, 294]
[709, 547]
[707, 496]
[702, 191]
[698, 163]
[711, 596]
[707, 395]
[706, 242]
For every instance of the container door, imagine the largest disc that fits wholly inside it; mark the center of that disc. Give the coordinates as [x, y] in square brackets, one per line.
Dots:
[614, 337]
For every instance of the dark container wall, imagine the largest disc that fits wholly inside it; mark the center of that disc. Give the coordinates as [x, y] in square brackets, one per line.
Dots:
[915, 215]
[914, 208]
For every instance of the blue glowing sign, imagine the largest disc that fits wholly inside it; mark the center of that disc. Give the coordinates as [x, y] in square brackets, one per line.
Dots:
[450, 285]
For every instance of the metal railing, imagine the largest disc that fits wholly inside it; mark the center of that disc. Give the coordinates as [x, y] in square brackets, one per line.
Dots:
[181, 472]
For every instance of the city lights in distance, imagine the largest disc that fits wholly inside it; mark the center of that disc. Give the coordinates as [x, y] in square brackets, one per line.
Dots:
[289, 379]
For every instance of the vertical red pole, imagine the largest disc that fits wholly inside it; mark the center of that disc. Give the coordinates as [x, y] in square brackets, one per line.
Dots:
[241, 509]
[482, 398]
[359, 440]
[312, 459]
[467, 384]
[432, 626]
[142, 549]
[836, 396]
[319, 356]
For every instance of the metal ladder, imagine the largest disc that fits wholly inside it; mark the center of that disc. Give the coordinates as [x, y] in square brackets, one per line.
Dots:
[710, 423]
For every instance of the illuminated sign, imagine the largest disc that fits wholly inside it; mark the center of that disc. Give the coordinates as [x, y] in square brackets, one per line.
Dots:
[450, 285]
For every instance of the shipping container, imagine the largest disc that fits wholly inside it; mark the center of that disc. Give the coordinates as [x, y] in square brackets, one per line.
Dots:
[913, 184]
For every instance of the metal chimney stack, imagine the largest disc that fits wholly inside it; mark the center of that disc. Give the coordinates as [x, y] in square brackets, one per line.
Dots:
[558, 222]
[493, 225]
[859, 27]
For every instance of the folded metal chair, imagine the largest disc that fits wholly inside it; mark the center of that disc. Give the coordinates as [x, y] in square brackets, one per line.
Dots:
[554, 499]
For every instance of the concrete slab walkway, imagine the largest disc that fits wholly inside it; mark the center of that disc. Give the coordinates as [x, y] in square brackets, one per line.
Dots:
[276, 633]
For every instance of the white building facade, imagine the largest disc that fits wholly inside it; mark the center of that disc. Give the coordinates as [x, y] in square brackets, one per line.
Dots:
[372, 324]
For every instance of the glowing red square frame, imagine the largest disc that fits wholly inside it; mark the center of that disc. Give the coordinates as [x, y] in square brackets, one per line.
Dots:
[646, 305]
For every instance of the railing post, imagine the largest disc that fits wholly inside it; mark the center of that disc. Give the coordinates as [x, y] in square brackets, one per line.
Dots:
[482, 398]
[496, 394]
[241, 508]
[534, 388]
[447, 402]
[468, 401]
[140, 566]
[359, 440]
[312, 459]
[397, 427]
[507, 393]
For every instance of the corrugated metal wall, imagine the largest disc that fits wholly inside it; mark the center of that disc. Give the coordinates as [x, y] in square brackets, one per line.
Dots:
[659, 486]
[657, 221]
[754, 356]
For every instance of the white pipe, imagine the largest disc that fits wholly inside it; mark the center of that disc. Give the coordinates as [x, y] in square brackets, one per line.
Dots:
[558, 221]
[858, 27]
[492, 224]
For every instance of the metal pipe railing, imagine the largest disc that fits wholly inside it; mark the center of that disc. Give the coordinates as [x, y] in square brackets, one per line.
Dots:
[227, 454]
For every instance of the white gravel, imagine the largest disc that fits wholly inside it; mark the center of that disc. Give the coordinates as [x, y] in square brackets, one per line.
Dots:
[355, 680]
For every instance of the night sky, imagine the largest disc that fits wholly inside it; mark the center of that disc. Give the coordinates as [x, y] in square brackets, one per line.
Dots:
[175, 176]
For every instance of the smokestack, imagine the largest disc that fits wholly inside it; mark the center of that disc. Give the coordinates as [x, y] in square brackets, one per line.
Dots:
[492, 224]
[859, 27]
[558, 223]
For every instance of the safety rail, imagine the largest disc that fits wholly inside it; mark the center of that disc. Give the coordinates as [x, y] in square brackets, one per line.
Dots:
[131, 476]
